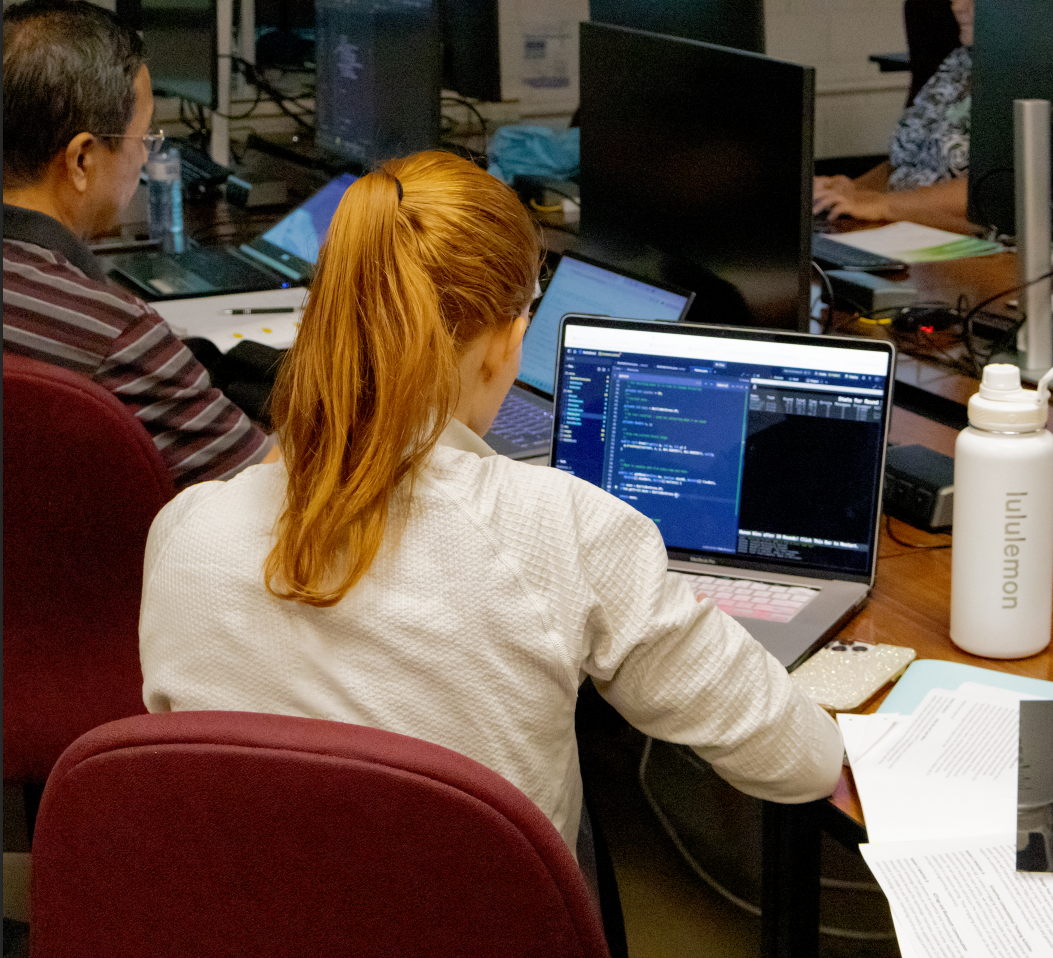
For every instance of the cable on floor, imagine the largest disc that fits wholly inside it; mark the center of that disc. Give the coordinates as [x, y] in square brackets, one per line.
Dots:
[747, 906]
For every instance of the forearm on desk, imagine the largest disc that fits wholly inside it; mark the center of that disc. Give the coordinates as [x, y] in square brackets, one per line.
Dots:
[941, 205]
[876, 178]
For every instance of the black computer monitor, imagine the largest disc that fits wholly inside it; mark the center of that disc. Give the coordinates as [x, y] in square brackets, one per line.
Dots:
[1011, 61]
[180, 41]
[696, 167]
[378, 78]
[285, 34]
[471, 48]
[730, 23]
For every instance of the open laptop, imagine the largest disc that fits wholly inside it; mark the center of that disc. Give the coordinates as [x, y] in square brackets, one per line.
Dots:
[283, 256]
[523, 427]
[758, 454]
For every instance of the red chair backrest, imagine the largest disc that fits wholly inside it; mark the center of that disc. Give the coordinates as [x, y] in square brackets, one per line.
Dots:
[82, 483]
[232, 833]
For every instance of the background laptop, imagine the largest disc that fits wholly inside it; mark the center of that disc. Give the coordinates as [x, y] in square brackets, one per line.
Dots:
[758, 454]
[283, 256]
[523, 428]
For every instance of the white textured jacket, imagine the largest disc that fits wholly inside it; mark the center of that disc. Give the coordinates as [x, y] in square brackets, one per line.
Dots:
[507, 585]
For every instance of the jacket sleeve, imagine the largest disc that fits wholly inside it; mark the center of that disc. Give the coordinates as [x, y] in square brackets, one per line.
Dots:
[200, 433]
[683, 671]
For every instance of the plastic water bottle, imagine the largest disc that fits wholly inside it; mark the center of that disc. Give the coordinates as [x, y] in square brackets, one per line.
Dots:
[166, 200]
[1002, 562]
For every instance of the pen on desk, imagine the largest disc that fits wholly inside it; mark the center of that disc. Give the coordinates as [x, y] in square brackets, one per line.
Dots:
[258, 312]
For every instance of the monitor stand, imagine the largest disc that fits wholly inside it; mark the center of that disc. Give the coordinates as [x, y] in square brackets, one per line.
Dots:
[219, 145]
[1031, 125]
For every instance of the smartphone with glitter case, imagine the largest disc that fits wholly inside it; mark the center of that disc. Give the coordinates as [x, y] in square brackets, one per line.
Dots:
[845, 675]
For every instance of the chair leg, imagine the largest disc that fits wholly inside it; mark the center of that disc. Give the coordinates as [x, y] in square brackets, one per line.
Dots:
[32, 793]
[790, 883]
[610, 899]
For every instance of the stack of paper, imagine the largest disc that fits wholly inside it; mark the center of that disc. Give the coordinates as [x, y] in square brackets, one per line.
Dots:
[939, 792]
[913, 243]
[271, 317]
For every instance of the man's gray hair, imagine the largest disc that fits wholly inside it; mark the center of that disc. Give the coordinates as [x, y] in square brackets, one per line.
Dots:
[69, 68]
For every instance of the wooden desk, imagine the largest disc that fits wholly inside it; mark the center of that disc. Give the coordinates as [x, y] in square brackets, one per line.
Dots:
[909, 605]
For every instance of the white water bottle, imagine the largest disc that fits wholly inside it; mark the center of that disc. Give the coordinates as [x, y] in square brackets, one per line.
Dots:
[1002, 561]
[165, 210]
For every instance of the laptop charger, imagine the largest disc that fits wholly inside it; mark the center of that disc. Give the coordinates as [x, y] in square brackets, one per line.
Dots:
[919, 486]
[869, 294]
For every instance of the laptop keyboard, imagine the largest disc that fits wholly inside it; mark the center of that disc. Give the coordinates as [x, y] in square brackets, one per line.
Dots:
[750, 599]
[522, 423]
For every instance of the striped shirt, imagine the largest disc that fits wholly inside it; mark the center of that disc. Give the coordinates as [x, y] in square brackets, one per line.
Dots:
[60, 308]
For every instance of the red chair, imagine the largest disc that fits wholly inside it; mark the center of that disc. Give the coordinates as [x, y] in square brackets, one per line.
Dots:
[82, 483]
[233, 833]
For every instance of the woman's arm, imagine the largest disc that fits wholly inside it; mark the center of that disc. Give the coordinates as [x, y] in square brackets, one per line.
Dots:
[876, 178]
[683, 671]
[941, 205]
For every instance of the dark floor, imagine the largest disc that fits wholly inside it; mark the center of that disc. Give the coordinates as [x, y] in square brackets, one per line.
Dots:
[668, 909]
[16, 939]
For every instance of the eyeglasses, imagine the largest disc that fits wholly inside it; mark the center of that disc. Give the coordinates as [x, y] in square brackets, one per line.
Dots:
[154, 142]
[534, 303]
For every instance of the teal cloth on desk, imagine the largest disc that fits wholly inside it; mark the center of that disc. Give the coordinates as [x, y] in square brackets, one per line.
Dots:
[534, 151]
[925, 674]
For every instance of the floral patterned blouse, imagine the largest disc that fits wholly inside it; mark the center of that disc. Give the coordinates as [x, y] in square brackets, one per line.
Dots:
[932, 141]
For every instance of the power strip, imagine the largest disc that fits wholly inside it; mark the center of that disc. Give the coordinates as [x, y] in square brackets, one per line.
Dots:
[919, 486]
[869, 294]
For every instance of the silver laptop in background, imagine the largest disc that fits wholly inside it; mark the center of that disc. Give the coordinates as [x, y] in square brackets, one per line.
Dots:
[523, 428]
[758, 454]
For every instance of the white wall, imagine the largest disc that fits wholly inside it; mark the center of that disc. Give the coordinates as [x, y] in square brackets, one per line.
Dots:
[551, 27]
[856, 105]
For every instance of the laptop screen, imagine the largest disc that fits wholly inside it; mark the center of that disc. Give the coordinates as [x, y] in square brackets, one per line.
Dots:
[578, 286]
[294, 241]
[746, 447]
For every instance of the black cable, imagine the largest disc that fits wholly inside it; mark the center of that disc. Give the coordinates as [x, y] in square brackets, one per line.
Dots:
[936, 351]
[463, 102]
[968, 320]
[276, 96]
[975, 191]
[828, 287]
[913, 545]
[197, 127]
[247, 113]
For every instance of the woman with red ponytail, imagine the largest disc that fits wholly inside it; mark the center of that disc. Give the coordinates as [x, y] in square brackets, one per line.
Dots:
[393, 571]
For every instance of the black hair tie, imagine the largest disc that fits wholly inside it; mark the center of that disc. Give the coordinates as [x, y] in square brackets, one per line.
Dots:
[398, 186]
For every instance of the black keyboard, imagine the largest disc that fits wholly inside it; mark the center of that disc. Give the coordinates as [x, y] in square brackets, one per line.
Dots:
[830, 254]
[200, 172]
[522, 423]
[219, 266]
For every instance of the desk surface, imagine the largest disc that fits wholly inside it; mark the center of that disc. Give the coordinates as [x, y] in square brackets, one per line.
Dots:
[910, 602]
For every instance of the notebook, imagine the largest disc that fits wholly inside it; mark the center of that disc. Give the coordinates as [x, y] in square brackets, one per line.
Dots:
[523, 427]
[283, 256]
[758, 454]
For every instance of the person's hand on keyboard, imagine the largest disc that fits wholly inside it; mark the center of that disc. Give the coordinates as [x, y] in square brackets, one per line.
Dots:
[837, 196]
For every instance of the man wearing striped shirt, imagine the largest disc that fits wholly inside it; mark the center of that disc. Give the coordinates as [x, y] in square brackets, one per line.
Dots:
[77, 114]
